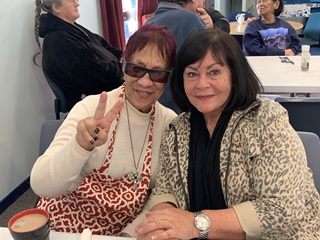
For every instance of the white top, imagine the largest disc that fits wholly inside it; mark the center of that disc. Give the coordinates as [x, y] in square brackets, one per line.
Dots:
[65, 164]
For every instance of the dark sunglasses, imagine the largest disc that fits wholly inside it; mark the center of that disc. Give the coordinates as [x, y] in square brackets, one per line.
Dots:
[138, 71]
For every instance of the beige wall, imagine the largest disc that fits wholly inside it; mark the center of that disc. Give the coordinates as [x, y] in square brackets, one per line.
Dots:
[25, 98]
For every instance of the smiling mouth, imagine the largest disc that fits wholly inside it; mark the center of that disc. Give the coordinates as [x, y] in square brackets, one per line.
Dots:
[204, 98]
[143, 94]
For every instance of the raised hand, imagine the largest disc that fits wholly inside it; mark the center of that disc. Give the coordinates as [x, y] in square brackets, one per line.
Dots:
[93, 131]
[205, 17]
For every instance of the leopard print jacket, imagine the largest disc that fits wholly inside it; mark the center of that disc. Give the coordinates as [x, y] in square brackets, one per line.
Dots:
[264, 173]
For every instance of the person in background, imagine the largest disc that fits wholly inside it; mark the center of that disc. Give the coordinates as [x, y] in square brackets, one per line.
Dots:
[269, 34]
[179, 16]
[102, 163]
[212, 18]
[77, 60]
[219, 21]
[231, 166]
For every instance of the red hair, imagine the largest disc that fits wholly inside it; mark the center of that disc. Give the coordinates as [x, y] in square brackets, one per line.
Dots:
[149, 34]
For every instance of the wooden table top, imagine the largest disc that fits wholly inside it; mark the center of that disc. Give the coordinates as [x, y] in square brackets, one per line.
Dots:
[238, 29]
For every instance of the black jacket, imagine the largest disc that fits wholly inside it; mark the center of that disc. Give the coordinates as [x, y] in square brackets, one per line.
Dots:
[219, 21]
[79, 61]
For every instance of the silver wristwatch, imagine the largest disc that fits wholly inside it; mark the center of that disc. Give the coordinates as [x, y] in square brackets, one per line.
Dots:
[202, 222]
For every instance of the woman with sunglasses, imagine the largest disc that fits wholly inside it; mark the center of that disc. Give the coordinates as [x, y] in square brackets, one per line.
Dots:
[99, 169]
[76, 59]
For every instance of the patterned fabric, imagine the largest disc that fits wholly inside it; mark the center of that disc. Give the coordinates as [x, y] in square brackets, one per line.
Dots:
[102, 203]
[263, 173]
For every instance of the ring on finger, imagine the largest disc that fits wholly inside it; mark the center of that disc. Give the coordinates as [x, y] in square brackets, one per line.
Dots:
[96, 130]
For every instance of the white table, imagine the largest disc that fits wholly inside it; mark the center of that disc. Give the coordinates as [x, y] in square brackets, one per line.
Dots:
[278, 77]
[5, 235]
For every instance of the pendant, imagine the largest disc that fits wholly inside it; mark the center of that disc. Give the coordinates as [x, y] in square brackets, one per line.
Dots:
[136, 178]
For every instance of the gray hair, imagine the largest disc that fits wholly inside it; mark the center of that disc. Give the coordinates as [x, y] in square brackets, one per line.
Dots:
[46, 6]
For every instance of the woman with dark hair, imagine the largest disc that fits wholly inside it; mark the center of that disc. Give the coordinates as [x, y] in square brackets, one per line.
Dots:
[102, 163]
[269, 34]
[231, 166]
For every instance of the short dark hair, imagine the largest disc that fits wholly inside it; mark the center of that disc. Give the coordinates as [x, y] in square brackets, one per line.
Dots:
[227, 51]
[152, 34]
[279, 10]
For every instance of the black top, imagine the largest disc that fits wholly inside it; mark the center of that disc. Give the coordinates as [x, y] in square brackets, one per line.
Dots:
[79, 61]
[204, 184]
[219, 21]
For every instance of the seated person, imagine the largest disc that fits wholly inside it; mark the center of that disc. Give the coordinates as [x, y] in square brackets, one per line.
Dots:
[231, 166]
[101, 165]
[77, 60]
[219, 21]
[182, 19]
[270, 35]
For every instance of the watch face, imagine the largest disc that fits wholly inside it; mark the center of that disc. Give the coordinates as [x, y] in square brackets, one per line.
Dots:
[202, 222]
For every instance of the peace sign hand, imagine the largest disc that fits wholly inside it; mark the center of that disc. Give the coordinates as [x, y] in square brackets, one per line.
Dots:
[93, 131]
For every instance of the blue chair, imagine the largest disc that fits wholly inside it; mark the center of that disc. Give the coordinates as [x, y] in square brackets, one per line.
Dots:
[47, 133]
[315, 51]
[311, 144]
[311, 32]
[304, 113]
[232, 16]
[60, 102]
[315, 9]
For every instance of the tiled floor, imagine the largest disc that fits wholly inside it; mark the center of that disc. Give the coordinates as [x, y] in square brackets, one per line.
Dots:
[27, 200]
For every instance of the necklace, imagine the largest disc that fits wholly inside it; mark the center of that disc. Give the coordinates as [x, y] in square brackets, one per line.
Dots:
[135, 176]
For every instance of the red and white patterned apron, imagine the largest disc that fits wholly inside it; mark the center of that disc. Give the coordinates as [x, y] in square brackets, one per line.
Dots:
[101, 203]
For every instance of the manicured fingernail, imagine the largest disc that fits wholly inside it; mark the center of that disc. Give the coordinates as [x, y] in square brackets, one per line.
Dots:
[96, 130]
[95, 138]
[91, 142]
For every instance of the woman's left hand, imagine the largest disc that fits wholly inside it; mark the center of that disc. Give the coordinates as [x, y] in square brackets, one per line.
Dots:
[169, 223]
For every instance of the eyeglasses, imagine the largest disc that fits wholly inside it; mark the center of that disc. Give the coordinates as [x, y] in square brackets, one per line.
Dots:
[138, 71]
[72, 1]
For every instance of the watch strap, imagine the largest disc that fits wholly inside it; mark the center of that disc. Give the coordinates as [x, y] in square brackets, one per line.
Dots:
[203, 233]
